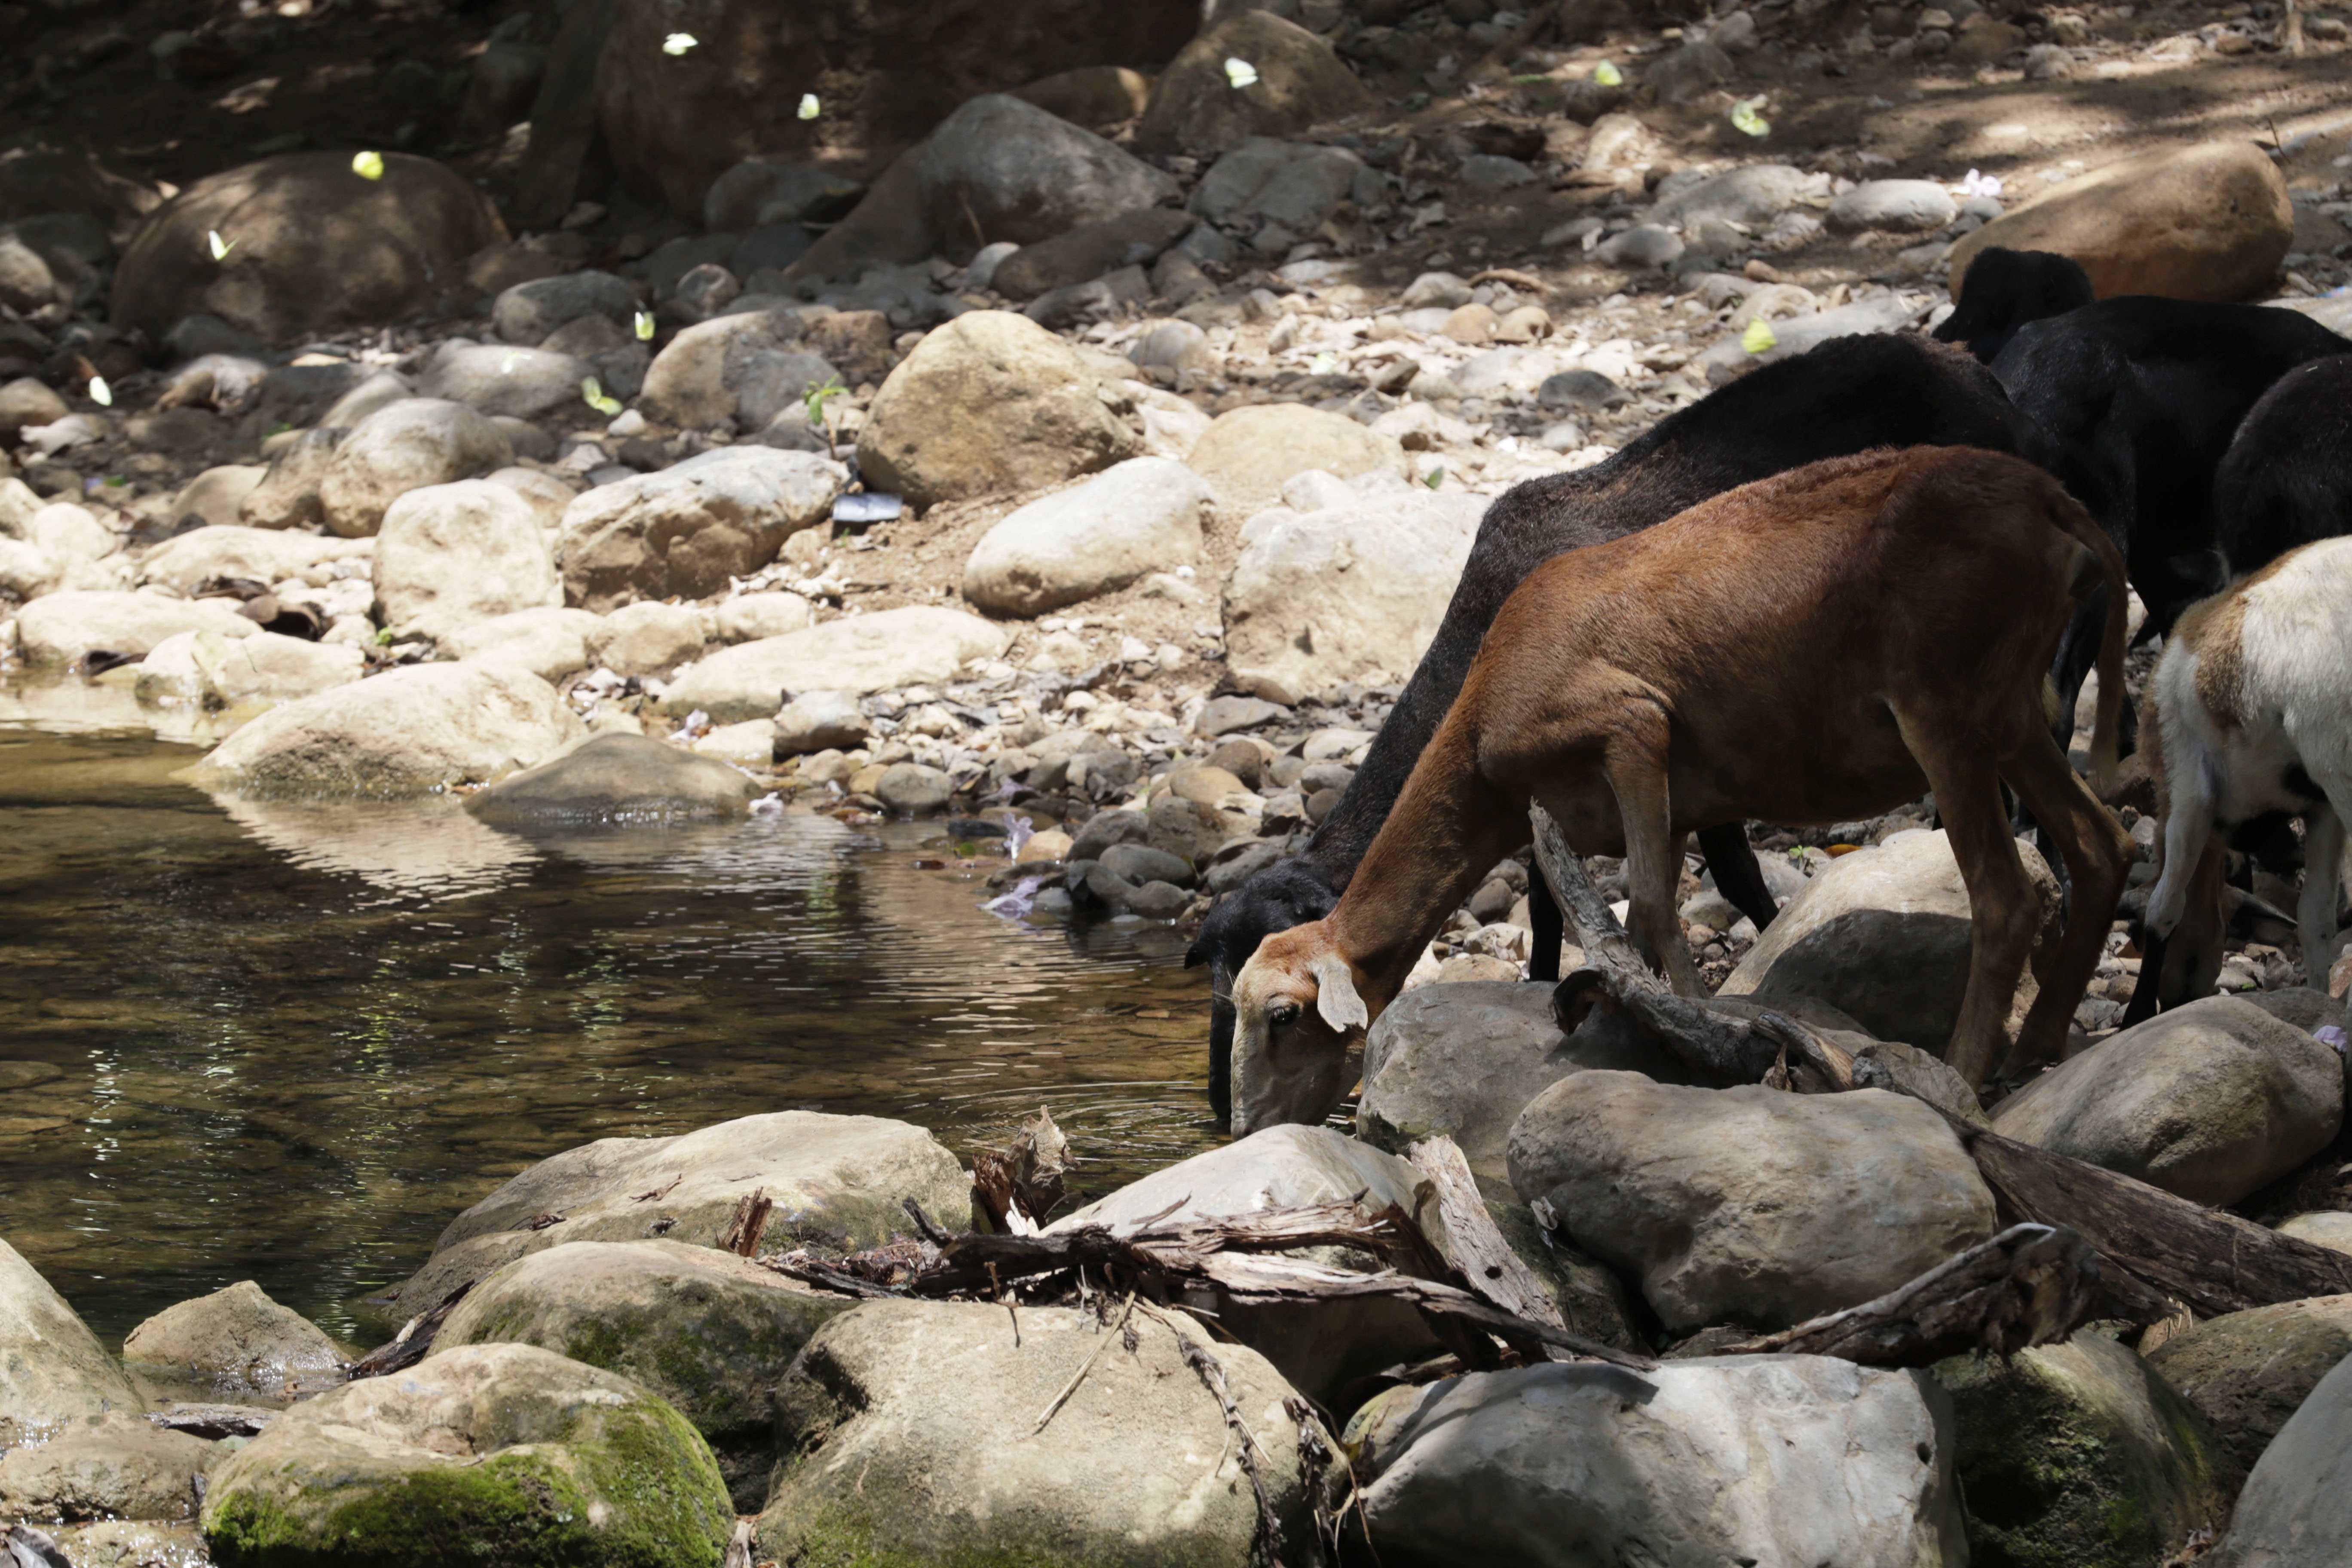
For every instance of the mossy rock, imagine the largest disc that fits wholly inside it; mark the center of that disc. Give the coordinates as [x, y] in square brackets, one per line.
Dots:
[490, 1454]
[2080, 1456]
[707, 1331]
[1592, 1300]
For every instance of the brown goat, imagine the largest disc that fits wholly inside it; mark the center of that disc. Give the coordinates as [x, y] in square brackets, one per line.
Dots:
[1814, 648]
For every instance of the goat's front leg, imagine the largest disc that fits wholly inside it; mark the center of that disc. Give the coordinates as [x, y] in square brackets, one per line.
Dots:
[2315, 913]
[1635, 761]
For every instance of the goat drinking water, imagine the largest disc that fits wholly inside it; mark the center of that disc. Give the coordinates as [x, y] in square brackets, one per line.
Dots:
[1809, 648]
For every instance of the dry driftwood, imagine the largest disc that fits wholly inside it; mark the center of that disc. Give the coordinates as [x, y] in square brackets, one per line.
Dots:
[213, 1421]
[2157, 1249]
[1472, 1244]
[1605, 943]
[745, 1226]
[414, 1341]
[1025, 1178]
[2029, 1286]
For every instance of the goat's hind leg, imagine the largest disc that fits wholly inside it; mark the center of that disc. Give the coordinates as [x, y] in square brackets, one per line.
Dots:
[2096, 851]
[1635, 761]
[2323, 867]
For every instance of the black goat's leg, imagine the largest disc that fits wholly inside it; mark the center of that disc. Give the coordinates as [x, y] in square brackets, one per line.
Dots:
[1545, 922]
[1736, 876]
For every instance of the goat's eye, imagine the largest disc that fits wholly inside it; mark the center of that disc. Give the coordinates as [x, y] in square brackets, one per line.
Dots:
[1282, 1015]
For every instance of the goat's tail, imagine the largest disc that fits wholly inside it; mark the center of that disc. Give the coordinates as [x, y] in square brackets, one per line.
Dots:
[2069, 515]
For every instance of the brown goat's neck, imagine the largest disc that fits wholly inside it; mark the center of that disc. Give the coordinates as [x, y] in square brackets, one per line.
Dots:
[1448, 829]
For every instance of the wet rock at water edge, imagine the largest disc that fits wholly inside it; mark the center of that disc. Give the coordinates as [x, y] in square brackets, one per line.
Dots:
[617, 778]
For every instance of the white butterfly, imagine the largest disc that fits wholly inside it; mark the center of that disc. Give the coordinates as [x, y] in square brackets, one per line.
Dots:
[1240, 73]
[678, 43]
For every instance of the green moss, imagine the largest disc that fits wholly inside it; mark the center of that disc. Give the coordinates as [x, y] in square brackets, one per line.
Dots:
[661, 1505]
[837, 1537]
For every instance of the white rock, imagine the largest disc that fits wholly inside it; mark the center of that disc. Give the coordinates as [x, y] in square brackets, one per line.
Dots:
[53, 1371]
[404, 446]
[227, 672]
[819, 722]
[217, 494]
[259, 555]
[1141, 516]
[1907, 206]
[453, 553]
[917, 644]
[406, 732]
[1338, 595]
[688, 528]
[648, 638]
[550, 643]
[64, 626]
[748, 617]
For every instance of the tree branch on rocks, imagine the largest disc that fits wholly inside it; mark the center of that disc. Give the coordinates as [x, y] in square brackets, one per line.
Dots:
[2031, 1285]
[1606, 945]
[1020, 1185]
[413, 1344]
[1477, 1249]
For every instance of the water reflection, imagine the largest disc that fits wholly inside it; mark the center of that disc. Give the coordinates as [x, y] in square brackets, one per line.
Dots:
[290, 1041]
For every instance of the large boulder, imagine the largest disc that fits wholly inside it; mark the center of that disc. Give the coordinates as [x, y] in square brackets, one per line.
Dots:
[711, 1332]
[1301, 83]
[1249, 453]
[2211, 1100]
[505, 1453]
[675, 123]
[2248, 1371]
[2210, 221]
[53, 1371]
[1322, 1347]
[618, 777]
[736, 370]
[1344, 593]
[409, 731]
[315, 247]
[910, 1434]
[258, 554]
[215, 671]
[288, 495]
[236, 1340]
[497, 379]
[406, 445]
[2296, 1509]
[1883, 935]
[992, 402]
[448, 554]
[1278, 191]
[836, 1180]
[531, 311]
[858, 654]
[2080, 1454]
[56, 629]
[688, 529]
[1781, 1459]
[1748, 1205]
[999, 169]
[116, 1466]
[1142, 517]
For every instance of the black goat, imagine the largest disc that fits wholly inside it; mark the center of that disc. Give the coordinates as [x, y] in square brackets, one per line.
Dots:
[2287, 478]
[1844, 397]
[2003, 290]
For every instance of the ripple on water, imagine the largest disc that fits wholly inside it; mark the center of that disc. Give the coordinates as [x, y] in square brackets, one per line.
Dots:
[288, 1041]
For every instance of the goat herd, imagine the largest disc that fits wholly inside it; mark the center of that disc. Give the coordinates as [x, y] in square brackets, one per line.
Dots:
[1851, 576]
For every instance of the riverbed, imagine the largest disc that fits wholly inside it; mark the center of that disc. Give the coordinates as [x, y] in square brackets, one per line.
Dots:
[289, 1041]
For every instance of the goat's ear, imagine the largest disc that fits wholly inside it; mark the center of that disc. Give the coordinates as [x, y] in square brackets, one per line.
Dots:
[1335, 995]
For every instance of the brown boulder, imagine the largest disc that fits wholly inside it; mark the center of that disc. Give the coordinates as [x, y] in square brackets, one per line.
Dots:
[1091, 96]
[885, 72]
[1300, 83]
[1983, 38]
[2210, 221]
[315, 247]
[1091, 251]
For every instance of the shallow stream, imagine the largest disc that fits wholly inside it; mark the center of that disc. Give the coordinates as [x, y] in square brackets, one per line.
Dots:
[289, 1042]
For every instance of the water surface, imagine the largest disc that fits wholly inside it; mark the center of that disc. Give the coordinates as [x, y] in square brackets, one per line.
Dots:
[288, 1042]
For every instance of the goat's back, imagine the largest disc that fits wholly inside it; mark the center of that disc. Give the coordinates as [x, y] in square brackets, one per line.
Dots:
[2287, 480]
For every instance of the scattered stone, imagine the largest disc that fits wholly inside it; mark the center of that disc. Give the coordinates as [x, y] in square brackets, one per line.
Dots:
[690, 528]
[911, 1431]
[1906, 206]
[115, 1465]
[547, 642]
[1581, 389]
[1093, 96]
[818, 721]
[236, 1340]
[1779, 1459]
[215, 671]
[1296, 624]
[914, 789]
[53, 1371]
[2331, 1228]
[756, 192]
[738, 369]
[1144, 515]
[1011, 170]
[1089, 251]
[617, 778]
[1688, 72]
[448, 554]
[2080, 1453]
[404, 446]
[1248, 454]
[1228, 715]
[1749, 1204]
[1647, 244]
[217, 495]
[319, 249]
[991, 403]
[1883, 935]
[1301, 83]
[408, 731]
[747, 617]
[2209, 221]
[1280, 191]
[59, 628]
[859, 654]
[838, 1182]
[494, 379]
[25, 401]
[486, 1444]
[2210, 1101]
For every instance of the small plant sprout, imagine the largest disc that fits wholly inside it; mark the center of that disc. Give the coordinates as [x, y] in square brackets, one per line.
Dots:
[100, 392]
[810, 109]
[591, 389]
[384, 636]
[1759, 337]
[678, 43]
[645, 324]
[220, 247]
[818, 396]
[1745, 117]
[368, 165]
[1608, 75]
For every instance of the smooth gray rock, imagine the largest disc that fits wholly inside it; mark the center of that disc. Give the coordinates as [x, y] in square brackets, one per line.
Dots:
[1748, 1204]
[528, 313]
[404, 446]
[450, 555]
[818, 721]
[116, 1466]
[2211, 1100]
[2296, 1509]
[1906, 206]
[1288, 188]
[1022, 174]
[914, 789]
[1139, 516]
[495, 379]
[236, 1340]
[53, 1371]
[688, 528]
[2248, 1371]
[1755, 194]
[860, 654]
[617, 778]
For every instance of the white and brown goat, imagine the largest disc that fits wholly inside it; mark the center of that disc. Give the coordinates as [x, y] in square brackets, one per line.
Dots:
[1814, 648]
[2251, 714]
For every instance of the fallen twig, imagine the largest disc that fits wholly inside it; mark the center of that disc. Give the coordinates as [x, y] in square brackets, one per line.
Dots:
[414, 1341]
[1211, 1374]
[1086, 1366]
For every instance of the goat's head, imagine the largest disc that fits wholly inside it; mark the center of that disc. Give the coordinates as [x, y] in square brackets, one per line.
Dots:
[1296, 1011]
